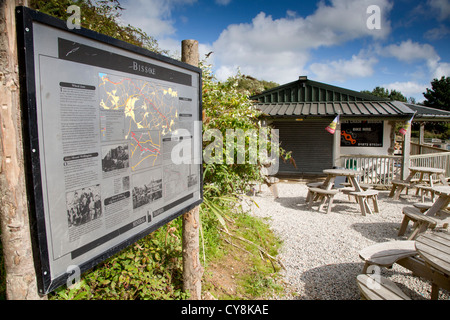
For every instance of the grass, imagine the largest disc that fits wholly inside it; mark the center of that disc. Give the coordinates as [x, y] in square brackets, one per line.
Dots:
[243, 266]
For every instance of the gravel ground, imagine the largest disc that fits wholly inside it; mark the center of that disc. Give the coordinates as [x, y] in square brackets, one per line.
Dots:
[320, 251]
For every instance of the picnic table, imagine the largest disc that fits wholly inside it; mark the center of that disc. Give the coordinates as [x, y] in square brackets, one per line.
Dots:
[399, 185]
[324, 192]
[427, 257]
[431, 217]
[349, 173]
[434, 248]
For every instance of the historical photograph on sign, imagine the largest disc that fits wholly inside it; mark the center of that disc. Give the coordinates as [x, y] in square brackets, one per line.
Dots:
[362, 134]
[115, 157]
[147, 188]
[83, 205]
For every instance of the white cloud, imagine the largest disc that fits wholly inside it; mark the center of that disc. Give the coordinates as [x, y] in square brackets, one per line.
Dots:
[152, 16]
[408, 89]
[441, 7]
[439, 69]
[223, 2]
[410, 51]
[279, 49]
[341, 70]
[437, 33]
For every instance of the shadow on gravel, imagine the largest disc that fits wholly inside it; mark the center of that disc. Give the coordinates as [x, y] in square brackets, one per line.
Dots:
[379, 231]
[293, 202]
[339, 206]
[338, 282]
[332, 282]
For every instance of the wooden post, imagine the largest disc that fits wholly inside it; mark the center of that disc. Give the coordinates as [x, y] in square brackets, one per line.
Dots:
[17, 251]
[192, 269]
[406, 152]
[336, 152]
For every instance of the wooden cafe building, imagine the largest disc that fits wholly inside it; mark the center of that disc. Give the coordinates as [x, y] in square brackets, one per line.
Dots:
[364, 137]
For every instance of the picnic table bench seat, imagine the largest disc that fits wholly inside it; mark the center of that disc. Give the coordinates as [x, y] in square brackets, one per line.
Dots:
[323, 195]
[363, 186]
[400, 185]
[315, 184]
[385, 254]
[376, 287]
[425, 189]
[421, 221]
[363, 197]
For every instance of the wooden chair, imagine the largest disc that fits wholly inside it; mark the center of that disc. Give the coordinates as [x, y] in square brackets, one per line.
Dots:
[322, 195]
[363, 198]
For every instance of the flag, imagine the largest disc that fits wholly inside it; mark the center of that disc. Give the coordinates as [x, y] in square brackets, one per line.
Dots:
[405, 128]
[332, 126]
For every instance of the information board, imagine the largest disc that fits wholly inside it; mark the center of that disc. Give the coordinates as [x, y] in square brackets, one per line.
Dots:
[104, 120]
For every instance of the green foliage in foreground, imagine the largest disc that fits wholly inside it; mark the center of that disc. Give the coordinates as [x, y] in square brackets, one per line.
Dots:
[151, 269]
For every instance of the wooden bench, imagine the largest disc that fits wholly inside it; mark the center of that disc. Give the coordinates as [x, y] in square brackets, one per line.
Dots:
[398, 186]
[385, 254]
[421, 222]
[376, 287]
[422, 206]
[362, 197]
[324, 196]
[423, 190]
[315, 184]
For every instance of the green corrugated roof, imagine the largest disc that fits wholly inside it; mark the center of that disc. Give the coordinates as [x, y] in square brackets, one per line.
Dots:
[345, 108]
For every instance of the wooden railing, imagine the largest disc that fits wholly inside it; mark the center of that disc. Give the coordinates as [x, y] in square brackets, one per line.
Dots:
[421, 149]
[433, 160]
[377, 170]
[380, 170]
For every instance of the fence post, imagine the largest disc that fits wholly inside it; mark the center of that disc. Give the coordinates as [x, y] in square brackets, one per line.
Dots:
[17, 250]
[192, 269]
[406, 153]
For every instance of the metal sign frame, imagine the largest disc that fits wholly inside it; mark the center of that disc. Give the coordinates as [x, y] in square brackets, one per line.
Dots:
[125, 58]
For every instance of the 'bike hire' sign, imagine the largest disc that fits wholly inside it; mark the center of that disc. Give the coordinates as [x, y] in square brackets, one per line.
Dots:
[103, 119]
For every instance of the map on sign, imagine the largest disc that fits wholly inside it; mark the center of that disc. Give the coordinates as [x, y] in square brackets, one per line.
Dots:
[150, 112]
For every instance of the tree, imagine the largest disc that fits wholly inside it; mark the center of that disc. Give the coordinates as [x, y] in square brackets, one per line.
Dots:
[385, 93]
[250, 84]
[101, 16]
[16, 242]
[439, 95]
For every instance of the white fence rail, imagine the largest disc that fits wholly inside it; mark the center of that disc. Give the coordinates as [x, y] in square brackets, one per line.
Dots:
[433, 160]
[379, 170]
[376, 170]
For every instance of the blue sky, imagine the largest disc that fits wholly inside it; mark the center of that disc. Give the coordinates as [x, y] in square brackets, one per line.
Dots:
[328, 41]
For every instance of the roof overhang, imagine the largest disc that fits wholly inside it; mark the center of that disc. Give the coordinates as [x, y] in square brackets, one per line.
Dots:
[427, 114]
[347, 109]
